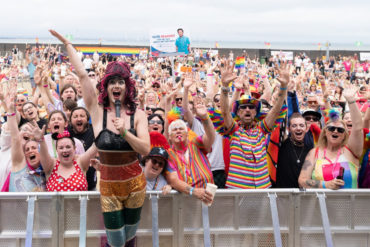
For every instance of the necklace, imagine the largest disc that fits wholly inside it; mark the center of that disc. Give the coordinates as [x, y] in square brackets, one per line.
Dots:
[298, 157]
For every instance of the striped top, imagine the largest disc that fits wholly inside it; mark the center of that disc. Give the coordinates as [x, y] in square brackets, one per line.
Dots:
[194, 170]
[248, 163]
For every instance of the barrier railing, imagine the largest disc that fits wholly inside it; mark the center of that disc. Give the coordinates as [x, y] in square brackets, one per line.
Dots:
[237, 218]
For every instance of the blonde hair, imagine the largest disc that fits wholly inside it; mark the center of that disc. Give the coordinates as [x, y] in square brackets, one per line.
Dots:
[323, 141]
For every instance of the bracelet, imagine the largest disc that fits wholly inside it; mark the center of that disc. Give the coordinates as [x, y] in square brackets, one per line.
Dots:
[124, 133]
[193, 94]
[40, 140]
[191, 191]
[204, 119]
[225, 89]
[323, 184]
[283, 88]
[46, 85]
[69, 43]
[10, 114]
[351, 102]
[238, 89]
[263, 77]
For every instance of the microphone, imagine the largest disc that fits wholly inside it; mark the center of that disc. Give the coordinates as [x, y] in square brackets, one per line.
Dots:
[117, 105]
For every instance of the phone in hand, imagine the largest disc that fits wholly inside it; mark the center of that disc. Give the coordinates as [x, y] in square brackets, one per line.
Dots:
[341, 172]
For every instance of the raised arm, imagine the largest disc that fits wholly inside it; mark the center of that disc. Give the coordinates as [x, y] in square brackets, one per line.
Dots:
[356, 138]
[84, 159]
[227, 76]
[88, 91]
[188, 115]
[210, 133]
[46, 160]
[284, 80]
[17, 155]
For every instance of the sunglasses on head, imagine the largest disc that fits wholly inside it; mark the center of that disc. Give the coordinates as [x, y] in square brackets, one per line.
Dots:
[178, 99]
[333, 128]
[156, 86]
[312, 102]
[216, 100]
[249, 106]
[150, 108]
[314, 119]
[91, 75]
[155, 122]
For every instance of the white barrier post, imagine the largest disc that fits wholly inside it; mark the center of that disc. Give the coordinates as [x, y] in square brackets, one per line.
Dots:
[325, 219]
[275, 219]
[83, 213]
[155, 228]
[30, 217]
[206, 231]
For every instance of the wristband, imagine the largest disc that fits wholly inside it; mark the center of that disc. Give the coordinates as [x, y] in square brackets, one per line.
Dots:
[191, 191]
[351, 102]
[263, 77]
[193, 94]
[283, 88]
[41, 140]
[323, 184]
[10, 114]
[204, 119]
[124, 133]
[225, 89]
[238, 89]
[46, 85]
[69, 43]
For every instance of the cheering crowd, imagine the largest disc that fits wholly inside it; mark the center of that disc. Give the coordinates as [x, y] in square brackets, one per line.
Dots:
[123, 125]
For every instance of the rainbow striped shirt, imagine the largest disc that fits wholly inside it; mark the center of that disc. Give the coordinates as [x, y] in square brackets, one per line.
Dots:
[196, 172]
[248, 163]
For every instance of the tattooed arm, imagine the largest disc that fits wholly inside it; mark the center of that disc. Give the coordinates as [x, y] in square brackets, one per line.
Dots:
[305, 178]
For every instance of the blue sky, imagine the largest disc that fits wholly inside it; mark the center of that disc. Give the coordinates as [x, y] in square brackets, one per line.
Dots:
[265, 20]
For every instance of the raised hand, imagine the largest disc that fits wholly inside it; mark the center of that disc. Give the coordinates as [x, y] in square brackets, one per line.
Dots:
[283, 72]
[349, 93]
[34, 130]
[59, 36]
[10, 99]
[201, 110]
[262, 71]
[240, 81]
[227, 73]
[189, 80]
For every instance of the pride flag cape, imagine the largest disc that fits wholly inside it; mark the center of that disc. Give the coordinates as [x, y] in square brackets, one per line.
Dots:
[363, 181]
[272, 145]
[240, 62]
[115, 51]
[315, 130]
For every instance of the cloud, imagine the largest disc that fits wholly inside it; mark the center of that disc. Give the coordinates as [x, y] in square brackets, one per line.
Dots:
[237, 20]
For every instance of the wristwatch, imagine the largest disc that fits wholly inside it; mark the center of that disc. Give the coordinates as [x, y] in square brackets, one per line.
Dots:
[225, 89]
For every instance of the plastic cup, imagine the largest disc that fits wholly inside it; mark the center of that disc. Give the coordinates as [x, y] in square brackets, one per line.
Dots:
[212, 188]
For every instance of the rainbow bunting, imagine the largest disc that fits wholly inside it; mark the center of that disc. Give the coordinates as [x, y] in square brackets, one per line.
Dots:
[240, 62]
[115, 51]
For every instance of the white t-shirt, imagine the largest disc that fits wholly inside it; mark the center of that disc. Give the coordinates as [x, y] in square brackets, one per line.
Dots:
[87, 63]
[216, 157]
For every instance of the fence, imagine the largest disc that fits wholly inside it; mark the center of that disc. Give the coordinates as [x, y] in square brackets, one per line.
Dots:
[236, 218]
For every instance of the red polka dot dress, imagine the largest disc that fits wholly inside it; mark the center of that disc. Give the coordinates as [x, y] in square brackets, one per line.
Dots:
[75, 182]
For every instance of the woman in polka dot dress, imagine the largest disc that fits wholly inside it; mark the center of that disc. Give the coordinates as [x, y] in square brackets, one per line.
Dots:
[68, 171]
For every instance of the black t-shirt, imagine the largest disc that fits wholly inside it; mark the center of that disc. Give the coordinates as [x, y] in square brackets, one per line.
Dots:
[288, 168]
[40, 123]
[87, 139]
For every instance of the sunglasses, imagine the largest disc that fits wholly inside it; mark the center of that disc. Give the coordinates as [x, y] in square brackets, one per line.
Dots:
[159, 162]
[156, 86]
[150, 109]
[250, 107]
[216, 100]
[312, 102]
[155, 122]
[339, 129]
[178, 99]
[314, 119]
[91, 75]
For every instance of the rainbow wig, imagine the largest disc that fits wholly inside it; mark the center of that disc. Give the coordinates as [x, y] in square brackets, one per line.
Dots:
[122, 70]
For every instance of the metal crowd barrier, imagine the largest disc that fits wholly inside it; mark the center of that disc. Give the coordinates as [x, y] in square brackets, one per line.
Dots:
[237, 218]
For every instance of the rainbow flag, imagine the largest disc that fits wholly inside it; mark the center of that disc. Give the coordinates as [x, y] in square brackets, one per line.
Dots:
[115, 51]
[240, 62]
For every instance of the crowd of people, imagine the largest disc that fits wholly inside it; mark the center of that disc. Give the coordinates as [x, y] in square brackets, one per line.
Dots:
[127, 124]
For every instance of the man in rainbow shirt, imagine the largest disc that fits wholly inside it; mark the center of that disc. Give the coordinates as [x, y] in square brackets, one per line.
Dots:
[248, 157]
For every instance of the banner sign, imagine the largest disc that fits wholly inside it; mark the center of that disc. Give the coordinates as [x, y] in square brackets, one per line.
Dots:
[283, 54]
[162, 43]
